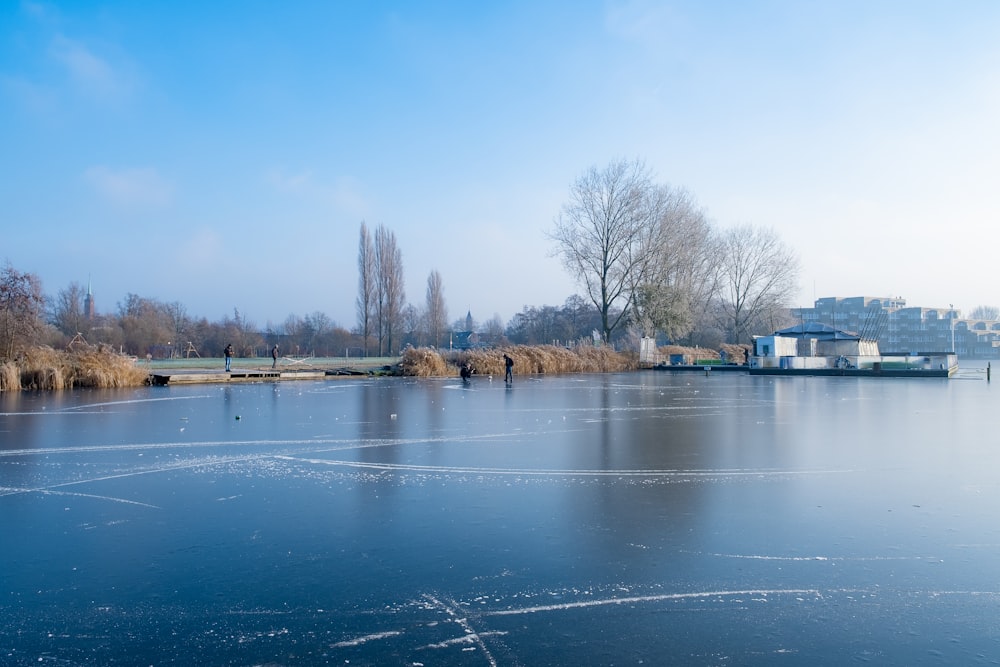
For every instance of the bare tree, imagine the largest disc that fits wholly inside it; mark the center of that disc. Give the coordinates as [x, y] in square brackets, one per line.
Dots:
[67, 310]
[367, 281]
[605, 236]
[683, 279]
[757, 276]
[21, 306]
[985, 313]
[492, 330]
[250, 340]
[147, 326]
[390, 294]
[413, 326]
[316, 329]
[296, 335]
[437, 311]
[180, 322]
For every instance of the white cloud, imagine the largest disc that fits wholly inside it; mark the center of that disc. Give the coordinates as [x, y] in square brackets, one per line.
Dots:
[93, 75]
[36, 10]
[130, 188]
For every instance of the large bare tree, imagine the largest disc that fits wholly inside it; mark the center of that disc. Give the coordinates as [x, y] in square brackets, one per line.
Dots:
[367, 293]
[437, 310]
[682, 280]
[758, 275]
[390, 294]
[605, 236]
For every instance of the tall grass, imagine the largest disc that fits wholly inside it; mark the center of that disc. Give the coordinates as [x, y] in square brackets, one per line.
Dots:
[424, 362]
[528, 360]
[43, 368]
[10, 377]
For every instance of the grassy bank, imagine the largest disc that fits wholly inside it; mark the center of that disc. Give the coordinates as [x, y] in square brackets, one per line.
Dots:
[42, 368]
[528, 360]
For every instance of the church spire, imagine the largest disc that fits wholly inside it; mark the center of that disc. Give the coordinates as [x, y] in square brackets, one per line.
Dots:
[88, 302]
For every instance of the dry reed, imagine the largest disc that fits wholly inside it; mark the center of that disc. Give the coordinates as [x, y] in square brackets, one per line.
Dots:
[528, 360]
[42, 368]
[424, 362]
[10, 377]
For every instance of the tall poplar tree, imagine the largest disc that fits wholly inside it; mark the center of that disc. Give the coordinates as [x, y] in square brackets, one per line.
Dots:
[437, 311]
[366, 285]
[390, 294]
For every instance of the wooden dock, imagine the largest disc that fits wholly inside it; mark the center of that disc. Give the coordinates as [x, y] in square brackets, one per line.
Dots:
[201, 376]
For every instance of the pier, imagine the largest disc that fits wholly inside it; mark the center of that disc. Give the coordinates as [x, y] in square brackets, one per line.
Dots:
[164, 377]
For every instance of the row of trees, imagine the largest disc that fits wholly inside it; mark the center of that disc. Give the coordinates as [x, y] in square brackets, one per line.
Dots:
[647, 257]
[381, 291]
[142, 326]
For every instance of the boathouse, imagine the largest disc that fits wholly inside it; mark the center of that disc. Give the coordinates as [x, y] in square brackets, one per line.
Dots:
[815, 347]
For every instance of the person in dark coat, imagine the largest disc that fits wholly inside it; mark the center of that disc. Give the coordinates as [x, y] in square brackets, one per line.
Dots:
[274, 355]
[229, 356]
[508, 365]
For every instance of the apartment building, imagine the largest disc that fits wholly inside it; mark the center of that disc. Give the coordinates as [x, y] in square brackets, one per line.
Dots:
[910, 329]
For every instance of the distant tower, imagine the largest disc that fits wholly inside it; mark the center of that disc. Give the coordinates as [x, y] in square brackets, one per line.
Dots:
[468, 321]
[88, 303]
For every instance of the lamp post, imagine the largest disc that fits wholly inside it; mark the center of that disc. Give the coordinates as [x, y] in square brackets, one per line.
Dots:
[951, 315]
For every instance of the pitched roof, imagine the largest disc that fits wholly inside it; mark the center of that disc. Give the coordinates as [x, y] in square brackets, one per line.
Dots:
[816, 330]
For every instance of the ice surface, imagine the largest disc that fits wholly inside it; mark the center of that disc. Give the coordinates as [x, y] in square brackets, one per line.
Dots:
[584, 519]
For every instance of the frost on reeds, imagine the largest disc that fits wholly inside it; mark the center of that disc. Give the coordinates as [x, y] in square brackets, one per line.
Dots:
[42, 368]
[528, 360]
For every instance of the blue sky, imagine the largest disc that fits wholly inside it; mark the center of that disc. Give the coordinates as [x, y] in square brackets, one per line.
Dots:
[223, 155]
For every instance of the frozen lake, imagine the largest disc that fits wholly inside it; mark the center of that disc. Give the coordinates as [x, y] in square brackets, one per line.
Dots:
[642, 518]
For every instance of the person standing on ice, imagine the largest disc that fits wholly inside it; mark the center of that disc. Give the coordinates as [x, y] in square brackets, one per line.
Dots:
[508, 364]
